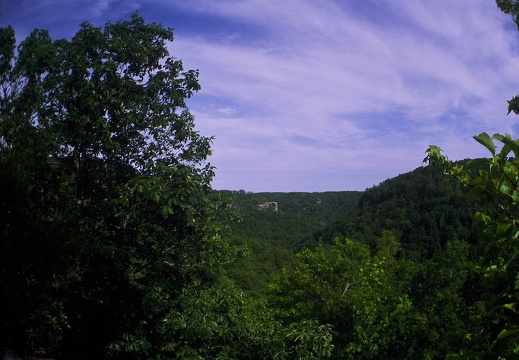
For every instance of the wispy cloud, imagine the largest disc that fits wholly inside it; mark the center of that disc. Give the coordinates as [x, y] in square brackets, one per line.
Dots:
[332, 95]
[327, 88]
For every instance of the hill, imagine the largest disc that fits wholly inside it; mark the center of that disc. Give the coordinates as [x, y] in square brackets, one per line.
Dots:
[272, 223]
[283, 219]
[422, 207]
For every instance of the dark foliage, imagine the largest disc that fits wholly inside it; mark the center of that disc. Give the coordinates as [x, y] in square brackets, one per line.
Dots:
[271, 235]
[423, 207]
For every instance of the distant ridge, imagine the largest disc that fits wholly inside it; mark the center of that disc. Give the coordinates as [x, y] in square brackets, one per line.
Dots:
[298, 214]
[422, 207]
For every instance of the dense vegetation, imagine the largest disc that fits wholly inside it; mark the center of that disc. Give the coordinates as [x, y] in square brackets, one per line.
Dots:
[422, 207]
[390, 286]
[296, 216]
[110, 231]
[114, 245]
[270, 236]
[362, 275]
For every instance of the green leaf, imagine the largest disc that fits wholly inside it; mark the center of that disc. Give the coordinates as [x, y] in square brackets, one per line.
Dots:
[507, 333]
[485, 140]
[511, 306]
[510, 144]
[513, 105]
[477, 163]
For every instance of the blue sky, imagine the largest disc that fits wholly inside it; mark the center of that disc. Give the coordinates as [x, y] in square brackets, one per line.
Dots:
[324, 95]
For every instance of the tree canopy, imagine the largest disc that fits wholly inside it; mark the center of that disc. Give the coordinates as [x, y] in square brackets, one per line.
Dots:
[110, 244]
[105, 194]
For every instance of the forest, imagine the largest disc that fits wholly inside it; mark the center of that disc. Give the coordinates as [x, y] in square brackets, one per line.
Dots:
[114, 245]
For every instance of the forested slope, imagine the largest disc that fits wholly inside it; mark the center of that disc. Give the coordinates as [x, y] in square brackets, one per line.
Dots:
[395, 274]
[270, 234]
[422, 207]
[297, 214]
[396, 277]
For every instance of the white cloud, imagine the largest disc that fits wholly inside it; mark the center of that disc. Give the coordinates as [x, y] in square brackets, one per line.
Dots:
[325, 92]
[445, 68]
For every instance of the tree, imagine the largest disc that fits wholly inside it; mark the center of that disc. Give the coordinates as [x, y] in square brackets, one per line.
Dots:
[362, 296]
[108, 213]
[494, 182]
[110, 243]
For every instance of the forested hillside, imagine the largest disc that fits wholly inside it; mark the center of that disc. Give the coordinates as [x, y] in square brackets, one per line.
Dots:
[271, 233]
[423, 208]
[296, 215]
[396, 277]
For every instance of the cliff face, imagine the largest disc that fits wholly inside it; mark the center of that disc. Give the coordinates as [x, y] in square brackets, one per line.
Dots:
[272, 205]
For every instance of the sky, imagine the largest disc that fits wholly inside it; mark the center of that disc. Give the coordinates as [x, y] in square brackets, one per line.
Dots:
[324, 95]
